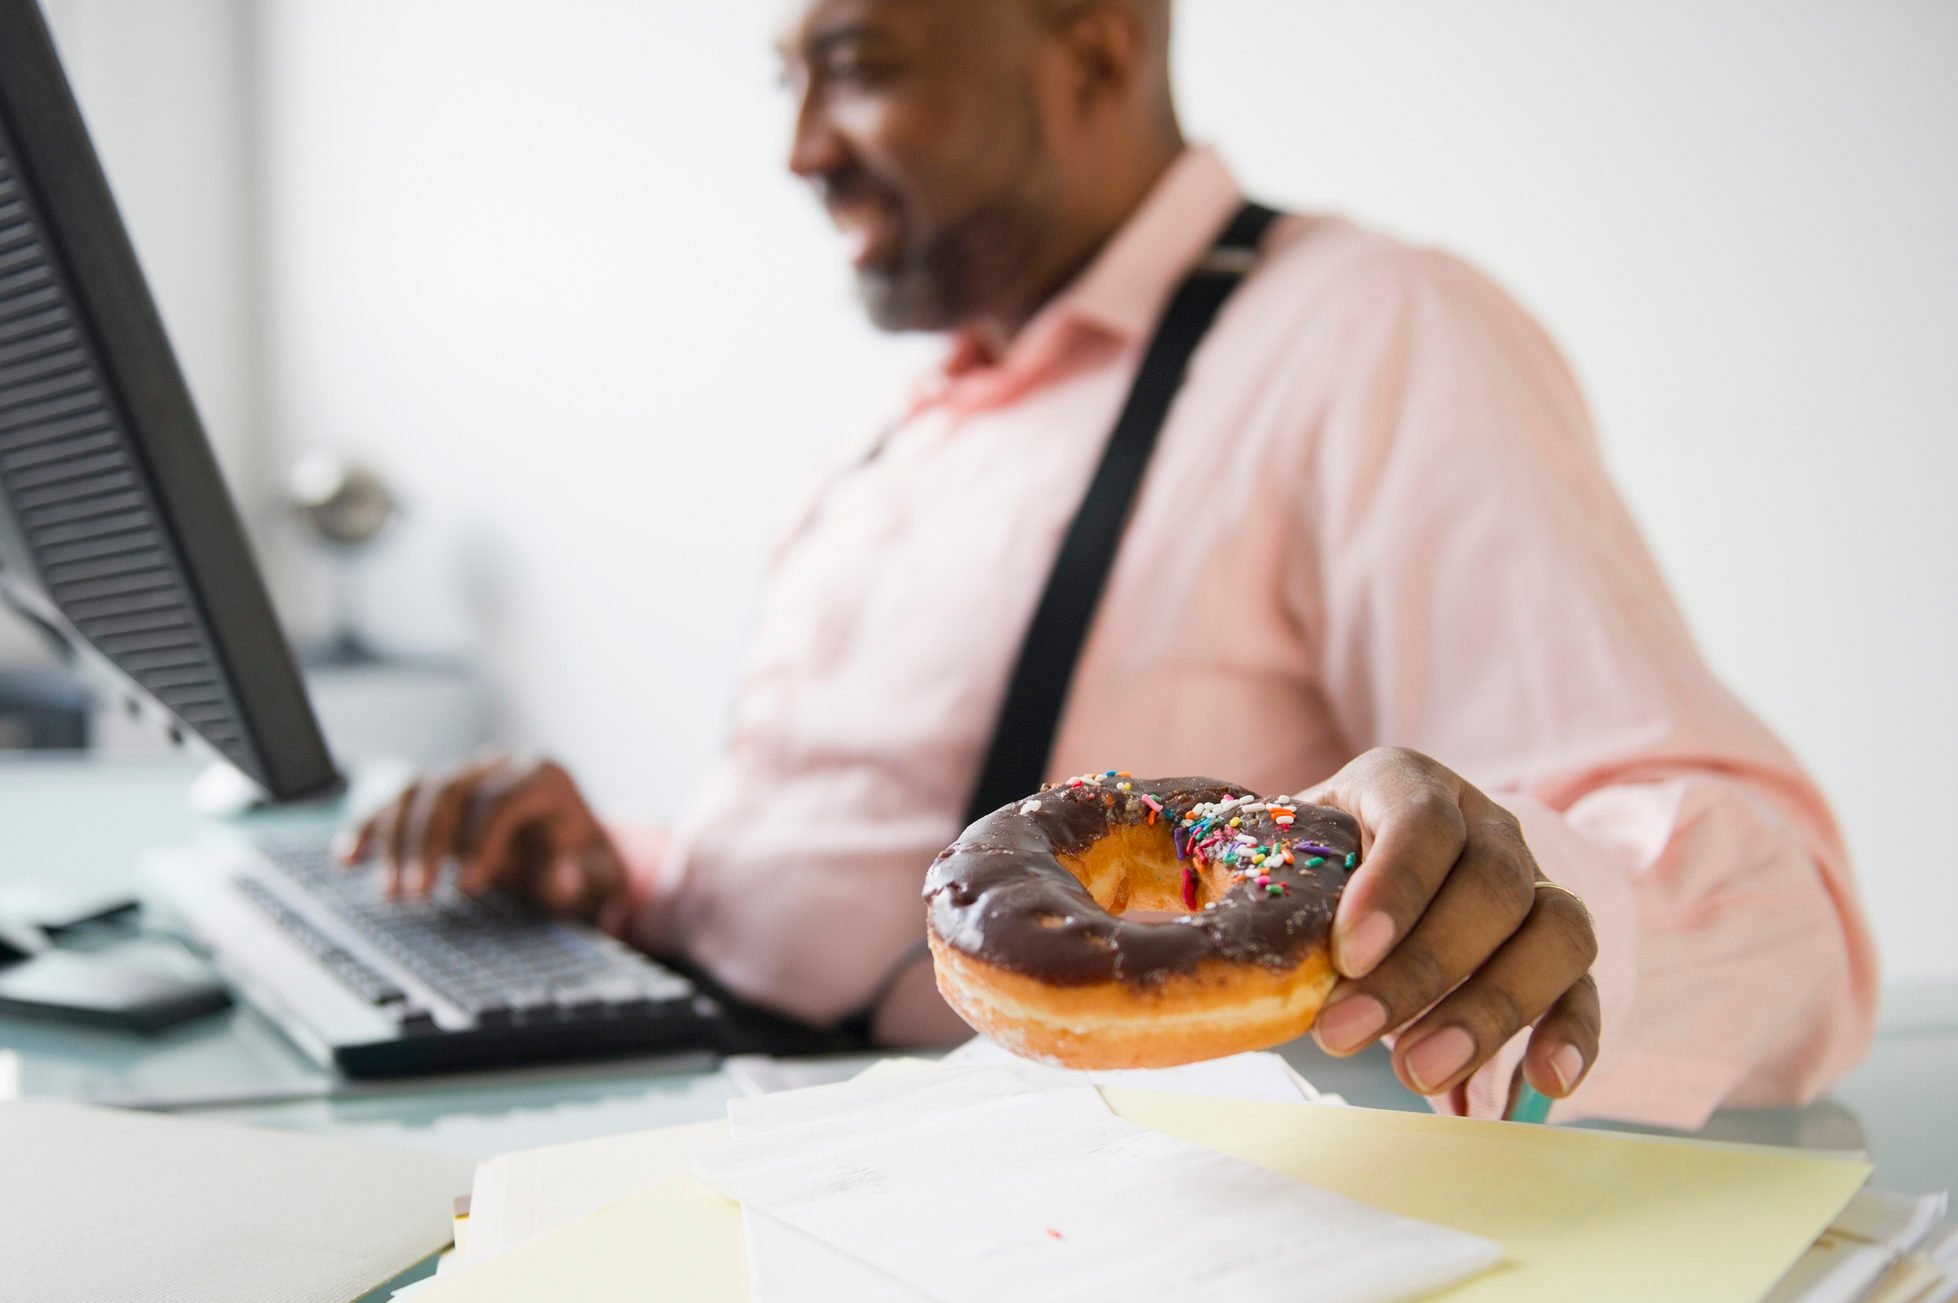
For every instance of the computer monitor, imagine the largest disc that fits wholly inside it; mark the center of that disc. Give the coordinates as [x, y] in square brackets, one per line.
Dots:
[115, 527]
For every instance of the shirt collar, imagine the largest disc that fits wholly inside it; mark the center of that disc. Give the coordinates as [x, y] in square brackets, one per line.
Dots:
[1123, 290]
[1119, 294]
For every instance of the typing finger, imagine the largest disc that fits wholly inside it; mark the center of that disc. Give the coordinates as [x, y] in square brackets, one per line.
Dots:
[508, 809]
[419, 867]
[352, 845]
[500, 776]
[564, 887]
[437, 820]
[390, 828]
[603, 877]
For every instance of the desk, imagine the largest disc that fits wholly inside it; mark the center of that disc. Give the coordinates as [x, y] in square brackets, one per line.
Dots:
[94, 821]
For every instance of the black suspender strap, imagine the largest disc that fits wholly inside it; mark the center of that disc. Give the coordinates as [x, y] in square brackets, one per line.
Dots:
[1023, 739]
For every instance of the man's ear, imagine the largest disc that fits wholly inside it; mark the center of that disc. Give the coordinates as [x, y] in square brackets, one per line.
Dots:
[1105, 43]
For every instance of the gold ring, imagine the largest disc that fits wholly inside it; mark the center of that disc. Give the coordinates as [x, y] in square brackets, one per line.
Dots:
[1545, 884]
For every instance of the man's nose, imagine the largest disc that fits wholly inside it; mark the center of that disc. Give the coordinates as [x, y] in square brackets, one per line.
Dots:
[816, 148]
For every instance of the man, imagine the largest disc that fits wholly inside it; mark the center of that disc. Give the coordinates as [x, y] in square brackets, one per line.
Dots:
[1376, 520]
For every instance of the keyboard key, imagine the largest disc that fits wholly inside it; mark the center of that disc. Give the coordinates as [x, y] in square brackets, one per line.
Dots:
[415, 1022]
[492, 958]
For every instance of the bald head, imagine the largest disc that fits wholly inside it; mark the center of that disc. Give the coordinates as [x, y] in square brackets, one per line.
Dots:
[1153, 12]
[976, 152]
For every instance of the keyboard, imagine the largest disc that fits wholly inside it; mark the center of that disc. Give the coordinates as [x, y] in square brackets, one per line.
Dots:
[489, 957]
[379, 987]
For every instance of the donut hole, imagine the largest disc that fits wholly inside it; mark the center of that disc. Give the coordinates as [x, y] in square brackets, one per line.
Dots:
[1133, 871]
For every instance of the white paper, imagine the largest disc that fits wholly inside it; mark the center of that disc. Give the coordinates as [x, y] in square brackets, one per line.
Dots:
[898, 1096]
[966, 1190]
[1835, 1269]
[1877, 1229]
[763, 1074]
[1258, 1075]
[1891, 1221]
[785, 1263]
[1910, 1279]
[530, 1191]
[110, 1205]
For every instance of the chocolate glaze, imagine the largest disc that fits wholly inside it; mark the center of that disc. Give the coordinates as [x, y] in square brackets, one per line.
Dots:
[1001, 894]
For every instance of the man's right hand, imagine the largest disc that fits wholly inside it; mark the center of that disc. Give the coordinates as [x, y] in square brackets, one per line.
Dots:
[523, 827]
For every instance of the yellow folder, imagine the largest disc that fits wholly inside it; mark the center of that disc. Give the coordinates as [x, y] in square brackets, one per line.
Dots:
[1580, 1214]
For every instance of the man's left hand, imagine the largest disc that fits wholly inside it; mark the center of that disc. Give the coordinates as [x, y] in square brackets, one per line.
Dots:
[1446, 933]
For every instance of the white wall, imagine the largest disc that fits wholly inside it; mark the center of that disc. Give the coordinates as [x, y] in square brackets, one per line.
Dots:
[541, 263]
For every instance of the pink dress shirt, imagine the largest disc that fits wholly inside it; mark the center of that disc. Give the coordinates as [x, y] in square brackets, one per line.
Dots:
[1377, 515]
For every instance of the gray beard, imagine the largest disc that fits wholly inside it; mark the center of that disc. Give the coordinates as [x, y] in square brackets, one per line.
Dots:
[959, 272]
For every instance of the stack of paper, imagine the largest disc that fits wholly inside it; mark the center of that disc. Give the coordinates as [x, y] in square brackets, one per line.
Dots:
[1883, 1248]
[972, 1184]
[1575, 1214]
[521, 1194]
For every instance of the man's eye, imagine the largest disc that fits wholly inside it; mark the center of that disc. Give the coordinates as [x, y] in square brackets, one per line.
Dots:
[856, 70]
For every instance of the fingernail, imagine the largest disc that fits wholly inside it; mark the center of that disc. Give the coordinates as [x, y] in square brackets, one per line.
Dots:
[343, 845]
[1344, 1026]
[1365, 945]
[1441, 1056]
[1568, 1065]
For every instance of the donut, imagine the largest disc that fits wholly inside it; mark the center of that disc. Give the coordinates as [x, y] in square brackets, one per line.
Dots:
[1022, 913]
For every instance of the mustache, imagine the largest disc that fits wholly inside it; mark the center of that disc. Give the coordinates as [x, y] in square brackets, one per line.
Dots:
[851, 185]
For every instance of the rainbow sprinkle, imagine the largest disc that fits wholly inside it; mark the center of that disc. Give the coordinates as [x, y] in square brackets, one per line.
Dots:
[1213, 832]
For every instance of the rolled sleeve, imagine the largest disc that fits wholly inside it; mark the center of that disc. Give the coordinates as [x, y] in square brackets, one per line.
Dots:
[1488, 601]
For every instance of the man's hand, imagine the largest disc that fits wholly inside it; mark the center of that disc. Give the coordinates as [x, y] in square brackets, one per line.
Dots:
[1444, 933]
[522, 827]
